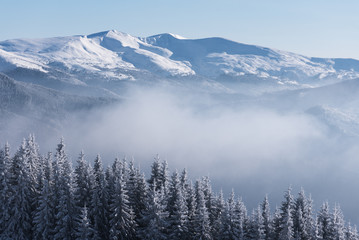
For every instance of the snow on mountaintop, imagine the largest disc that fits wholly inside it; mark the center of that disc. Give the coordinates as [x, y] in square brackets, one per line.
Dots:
[166, 35]
[114, 56]
[177, 36]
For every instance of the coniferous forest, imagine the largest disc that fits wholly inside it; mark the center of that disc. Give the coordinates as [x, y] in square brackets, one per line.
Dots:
[43, 197]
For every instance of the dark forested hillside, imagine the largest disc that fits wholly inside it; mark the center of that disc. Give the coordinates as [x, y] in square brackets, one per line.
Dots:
[42, 197]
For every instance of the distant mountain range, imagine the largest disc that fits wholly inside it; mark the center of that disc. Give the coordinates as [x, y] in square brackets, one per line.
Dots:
[101, 64]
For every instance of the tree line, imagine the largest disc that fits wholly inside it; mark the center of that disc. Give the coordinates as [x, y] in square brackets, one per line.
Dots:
[42, 197]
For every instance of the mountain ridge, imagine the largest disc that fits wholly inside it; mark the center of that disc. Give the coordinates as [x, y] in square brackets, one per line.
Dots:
[109, 60]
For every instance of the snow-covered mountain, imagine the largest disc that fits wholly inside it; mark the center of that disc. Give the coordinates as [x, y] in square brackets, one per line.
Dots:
[53, 77]
[104, 62]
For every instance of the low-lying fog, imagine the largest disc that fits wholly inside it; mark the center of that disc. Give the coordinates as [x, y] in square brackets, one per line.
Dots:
[254, 150]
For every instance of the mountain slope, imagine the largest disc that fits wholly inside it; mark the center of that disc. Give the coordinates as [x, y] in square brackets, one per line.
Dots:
[40, 104]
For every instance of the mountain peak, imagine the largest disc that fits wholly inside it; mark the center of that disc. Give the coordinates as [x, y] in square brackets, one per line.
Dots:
[167, 35]
[172, 35]
[107, 33]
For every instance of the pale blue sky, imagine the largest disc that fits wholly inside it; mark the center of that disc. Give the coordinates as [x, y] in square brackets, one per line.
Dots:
[324, 28]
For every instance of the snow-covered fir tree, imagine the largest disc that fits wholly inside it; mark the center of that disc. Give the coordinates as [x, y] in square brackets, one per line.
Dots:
[44, 215]
[84, 230]
[338, 223]
[177, 209]
[4, 188]
[154, 222]
[325, 226]
[99, 212]
[121, 221]
[303, 224]
[351, 233]
[241, 216]
[258, 224]
[267, 221]
[19, 224]
[65, 209]
[276, 224]
[155, 179]
[286, 231]
[83, 182]
[208, 196]
[231, 228]
[191, 209]
[218, 214]
[201, 222]
[137, 193]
